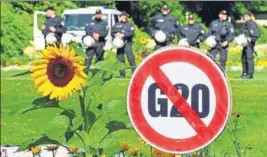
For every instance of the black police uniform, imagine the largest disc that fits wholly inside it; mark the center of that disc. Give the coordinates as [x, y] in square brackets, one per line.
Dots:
[194, 33]
[96, 26]
[252, 32]
[127, 29]
[56, 22]
[166, 23]
[223, 31]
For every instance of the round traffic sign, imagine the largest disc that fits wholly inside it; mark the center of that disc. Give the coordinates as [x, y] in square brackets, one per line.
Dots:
[179, 100]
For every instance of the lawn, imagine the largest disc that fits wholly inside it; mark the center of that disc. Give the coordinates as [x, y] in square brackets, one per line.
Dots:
[249, 100]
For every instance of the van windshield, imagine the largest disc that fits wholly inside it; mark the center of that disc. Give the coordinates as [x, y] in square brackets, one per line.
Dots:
[75, 22]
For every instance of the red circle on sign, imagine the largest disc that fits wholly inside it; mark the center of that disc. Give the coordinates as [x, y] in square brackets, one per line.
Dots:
[205, 134]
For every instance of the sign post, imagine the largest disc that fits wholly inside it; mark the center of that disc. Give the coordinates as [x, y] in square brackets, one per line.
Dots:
[179, 100]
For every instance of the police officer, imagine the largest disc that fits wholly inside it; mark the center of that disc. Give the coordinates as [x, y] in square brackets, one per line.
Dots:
[53, 24]
[224, 34]
[252, 33]
[166, 23]
[125, 31]
[98, 29]
[193, 32]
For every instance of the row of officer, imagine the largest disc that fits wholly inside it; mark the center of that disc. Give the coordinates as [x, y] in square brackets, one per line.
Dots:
[122, 33]
[192, 33]
[221, 31]
[163, 27]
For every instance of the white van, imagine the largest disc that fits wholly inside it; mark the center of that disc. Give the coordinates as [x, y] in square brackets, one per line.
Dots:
[75, 21]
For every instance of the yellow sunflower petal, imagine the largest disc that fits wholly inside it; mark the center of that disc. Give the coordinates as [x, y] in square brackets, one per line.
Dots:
[38, 67]
[47, 91]
[40, 61]
[55, 93]
[79, 59]
[39, 73]
[47, 54]
[39, 80]
[45, 87]
[71, 54]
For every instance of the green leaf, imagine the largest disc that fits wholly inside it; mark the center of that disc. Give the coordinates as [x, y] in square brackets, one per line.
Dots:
[68, 113]
[108, 75]
[43, 102]
[114, 106]
[44, 139]
[58, 127]
[94, 71]
[110, 66]
[22, 74]
[69, 135]
[113, 126]
[91, 117]
[95, 82]
[77, 122]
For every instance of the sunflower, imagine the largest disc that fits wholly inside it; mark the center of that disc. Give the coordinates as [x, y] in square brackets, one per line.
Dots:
[36, 150]
[59, 72]
[124, 146]
[134, 152]
[159, 153]
[73, 149]
[143, 40]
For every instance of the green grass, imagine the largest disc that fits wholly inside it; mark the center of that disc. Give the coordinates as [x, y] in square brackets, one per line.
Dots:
[249, 99]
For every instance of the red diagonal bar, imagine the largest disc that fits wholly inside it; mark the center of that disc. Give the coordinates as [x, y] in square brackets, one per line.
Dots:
[180, 103]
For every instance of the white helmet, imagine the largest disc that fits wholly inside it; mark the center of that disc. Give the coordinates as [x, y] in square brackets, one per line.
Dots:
[118, 42]
[210, 41]
[160, 36]
[66, 38]
[88, 41]
[183, 42]
[51, 38]
[241, 40]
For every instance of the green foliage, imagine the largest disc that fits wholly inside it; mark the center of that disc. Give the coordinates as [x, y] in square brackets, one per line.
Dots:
[17, 24]
[44, 139]
[57, 127]
[43, 102]
[140, 42]
[69, 124]
[254, 6]
[151, 8]
[262, 39]
[16, 30]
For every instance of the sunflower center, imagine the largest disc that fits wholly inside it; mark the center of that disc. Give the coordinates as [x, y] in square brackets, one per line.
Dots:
[60, 71]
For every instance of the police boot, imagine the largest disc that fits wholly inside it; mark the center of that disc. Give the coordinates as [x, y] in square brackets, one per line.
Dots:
[243, 76]
[249, 76]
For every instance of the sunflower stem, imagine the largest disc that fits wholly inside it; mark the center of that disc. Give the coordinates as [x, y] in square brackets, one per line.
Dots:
[83, 111]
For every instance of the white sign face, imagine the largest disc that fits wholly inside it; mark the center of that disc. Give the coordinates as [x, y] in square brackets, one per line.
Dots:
[189, 77]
